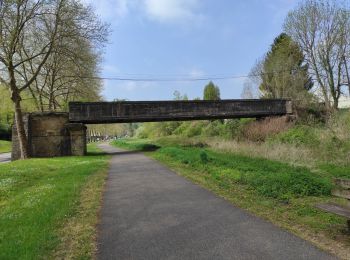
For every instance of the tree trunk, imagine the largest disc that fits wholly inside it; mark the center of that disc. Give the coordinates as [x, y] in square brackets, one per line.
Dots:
[22, 137]
[335, 104]
[347, 74]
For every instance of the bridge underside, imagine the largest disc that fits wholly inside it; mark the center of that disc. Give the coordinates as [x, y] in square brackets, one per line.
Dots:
[62, 134]
[153, 111]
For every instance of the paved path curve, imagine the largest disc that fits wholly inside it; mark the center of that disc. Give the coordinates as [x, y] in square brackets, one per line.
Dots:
[149, 212]
[5, 157]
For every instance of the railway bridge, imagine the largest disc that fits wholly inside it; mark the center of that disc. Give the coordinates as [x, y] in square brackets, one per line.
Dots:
[53, 134]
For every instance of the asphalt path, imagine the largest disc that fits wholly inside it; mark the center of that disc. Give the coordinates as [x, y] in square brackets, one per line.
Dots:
[150, 212]
[5, 157]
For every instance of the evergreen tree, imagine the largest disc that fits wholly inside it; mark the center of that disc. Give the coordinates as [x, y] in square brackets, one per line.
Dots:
[211, 92]
[284, 73]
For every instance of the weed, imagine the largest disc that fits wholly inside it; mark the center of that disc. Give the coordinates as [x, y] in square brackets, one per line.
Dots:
[204, 157]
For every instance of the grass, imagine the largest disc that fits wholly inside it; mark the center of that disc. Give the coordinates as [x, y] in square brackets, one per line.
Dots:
[139, 145]
[5, 146]
[280, 192]
[48, 207]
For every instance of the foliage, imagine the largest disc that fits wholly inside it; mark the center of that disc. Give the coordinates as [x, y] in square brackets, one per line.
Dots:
[299, 135]
[284, 72]
[227, 129]
[211, 92]
[38, 197]
[152, 130]
[112, 130]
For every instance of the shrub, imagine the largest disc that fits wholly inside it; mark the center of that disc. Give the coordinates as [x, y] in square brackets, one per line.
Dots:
[300, 135]
[157, 129]
[213, 128]
[233, 128]
[194, 129]
[259, 131]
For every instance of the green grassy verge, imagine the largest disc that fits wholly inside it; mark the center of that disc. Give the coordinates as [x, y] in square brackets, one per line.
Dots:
[48, 207]
[5, 146]
[279, 192]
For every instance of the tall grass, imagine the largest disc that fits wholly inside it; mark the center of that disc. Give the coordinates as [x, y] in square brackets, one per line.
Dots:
[269, 178]
[273, 151]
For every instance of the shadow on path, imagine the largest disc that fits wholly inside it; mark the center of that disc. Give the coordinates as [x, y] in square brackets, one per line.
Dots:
[114, 153]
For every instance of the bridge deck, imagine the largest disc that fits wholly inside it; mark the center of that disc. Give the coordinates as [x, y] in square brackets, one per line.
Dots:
[152, 111]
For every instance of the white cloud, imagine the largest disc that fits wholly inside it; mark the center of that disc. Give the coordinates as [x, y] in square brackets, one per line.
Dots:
[167, 11]
[172, 10]
[110, 9]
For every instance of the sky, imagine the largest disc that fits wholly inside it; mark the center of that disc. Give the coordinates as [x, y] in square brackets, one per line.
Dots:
[185, 39]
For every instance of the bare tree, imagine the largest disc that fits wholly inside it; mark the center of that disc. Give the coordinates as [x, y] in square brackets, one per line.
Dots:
[71, 72]
[67, 76]
[248, 91]
[30, 32]
[321, 28]
[255, 79]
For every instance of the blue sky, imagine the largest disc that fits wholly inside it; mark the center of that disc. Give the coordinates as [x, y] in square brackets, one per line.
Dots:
[185, 39]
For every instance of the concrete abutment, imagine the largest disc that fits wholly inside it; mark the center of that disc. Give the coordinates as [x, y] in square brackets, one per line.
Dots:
[51, 135]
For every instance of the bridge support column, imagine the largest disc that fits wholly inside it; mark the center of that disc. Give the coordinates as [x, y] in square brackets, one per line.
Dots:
[77, 134]
[51, 135]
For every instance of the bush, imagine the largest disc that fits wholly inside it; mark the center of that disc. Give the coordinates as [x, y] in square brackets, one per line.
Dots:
[157, 129]
[194, 129]
[213, 128]
[233, 128]
[300, 135]
[259, 131]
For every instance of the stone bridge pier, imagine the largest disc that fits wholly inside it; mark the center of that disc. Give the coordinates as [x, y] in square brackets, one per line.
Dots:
[51, 135]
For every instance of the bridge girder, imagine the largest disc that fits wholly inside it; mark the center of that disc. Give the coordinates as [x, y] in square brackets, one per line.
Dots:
[155, 111]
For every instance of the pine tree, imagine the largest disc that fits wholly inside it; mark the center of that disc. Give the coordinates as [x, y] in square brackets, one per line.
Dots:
[284, 71]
